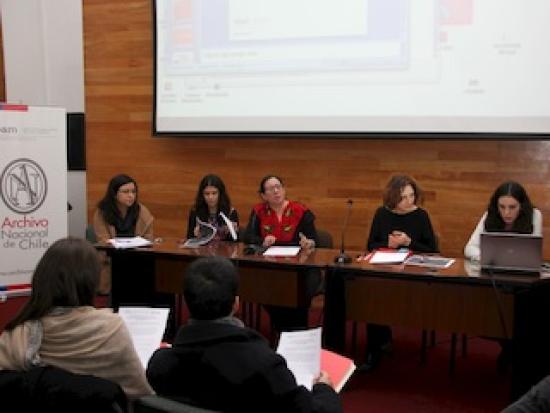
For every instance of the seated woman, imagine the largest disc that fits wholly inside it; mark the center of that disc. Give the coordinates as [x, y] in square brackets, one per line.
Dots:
[119, 214]
[278, 221]
[399, 223]
[60, 327]
[211, 200]
[509, 210]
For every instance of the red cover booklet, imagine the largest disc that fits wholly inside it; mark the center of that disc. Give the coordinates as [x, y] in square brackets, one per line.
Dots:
[338, 367]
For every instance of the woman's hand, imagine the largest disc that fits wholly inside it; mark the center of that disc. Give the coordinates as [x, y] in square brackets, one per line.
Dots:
[305, 242]
[269, 241]
[398, 239]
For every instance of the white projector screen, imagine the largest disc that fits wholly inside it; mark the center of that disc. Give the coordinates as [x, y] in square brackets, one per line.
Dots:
[469, 67]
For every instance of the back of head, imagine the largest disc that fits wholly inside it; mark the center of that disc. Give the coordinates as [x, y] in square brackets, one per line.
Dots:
[67, 275]
[210, 288]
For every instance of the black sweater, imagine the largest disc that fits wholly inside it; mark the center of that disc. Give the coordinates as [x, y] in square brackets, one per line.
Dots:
[416, 224]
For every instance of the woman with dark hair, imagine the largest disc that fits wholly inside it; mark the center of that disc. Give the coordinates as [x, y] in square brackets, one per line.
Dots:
[212, 200]
[509, 210]
[119, 214]
[399, 223]
[60, 327]
[278, 221]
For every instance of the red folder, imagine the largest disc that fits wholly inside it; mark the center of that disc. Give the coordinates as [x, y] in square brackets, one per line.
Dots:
[338, 367]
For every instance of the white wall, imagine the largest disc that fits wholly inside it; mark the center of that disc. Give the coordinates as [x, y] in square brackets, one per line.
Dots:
[44, 66]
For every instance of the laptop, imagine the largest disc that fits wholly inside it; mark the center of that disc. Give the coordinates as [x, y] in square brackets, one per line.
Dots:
[504, 252]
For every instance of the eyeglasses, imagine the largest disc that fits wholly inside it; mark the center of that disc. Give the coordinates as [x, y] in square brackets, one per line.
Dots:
[273, 188]
[127, 191]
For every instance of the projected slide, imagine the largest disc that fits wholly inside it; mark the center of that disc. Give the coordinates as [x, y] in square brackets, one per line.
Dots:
[352, 66]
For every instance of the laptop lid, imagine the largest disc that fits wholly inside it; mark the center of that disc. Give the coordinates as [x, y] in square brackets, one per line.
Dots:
[509, 252]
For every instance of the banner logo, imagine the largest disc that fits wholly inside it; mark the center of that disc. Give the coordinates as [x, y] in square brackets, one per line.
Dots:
[23, 186]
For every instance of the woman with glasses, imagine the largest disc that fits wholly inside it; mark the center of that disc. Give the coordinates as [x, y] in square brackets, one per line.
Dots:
[211, 201]
[119, 214]
[279, 221]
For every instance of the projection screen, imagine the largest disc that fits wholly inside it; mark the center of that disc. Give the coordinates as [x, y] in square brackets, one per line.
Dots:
[470, 67]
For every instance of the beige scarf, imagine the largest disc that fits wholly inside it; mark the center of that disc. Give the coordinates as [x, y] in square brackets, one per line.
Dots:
[82, 340]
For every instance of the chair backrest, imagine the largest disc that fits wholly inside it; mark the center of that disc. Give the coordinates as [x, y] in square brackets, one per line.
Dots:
[324, 239]
[55, 389]
[158, 404]
[90, 234]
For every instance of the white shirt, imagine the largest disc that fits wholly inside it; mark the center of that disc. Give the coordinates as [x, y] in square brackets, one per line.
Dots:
[471, 250]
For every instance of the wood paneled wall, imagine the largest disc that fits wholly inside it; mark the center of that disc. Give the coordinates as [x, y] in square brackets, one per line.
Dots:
[458, 176]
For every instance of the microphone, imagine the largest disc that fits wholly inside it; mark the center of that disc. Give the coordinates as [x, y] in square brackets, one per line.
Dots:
[343, 258]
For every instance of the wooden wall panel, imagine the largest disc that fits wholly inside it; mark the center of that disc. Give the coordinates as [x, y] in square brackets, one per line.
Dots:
[458, 176]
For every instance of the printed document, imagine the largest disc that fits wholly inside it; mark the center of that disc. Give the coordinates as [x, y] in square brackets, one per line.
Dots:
[281, 251]
[132, 242]
[146, 326]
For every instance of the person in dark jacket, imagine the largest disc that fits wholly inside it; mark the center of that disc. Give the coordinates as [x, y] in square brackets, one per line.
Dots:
[217, 363]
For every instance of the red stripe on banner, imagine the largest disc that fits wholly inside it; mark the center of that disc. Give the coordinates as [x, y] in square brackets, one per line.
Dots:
[7, 106]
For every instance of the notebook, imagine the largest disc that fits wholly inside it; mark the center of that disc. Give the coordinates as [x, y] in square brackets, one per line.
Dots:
[511, 253]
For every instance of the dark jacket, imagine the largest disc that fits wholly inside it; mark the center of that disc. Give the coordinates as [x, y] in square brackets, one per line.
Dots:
[56, 390]
[230, 368]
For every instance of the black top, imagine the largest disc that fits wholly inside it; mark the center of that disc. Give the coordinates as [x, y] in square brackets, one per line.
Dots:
[231, 368]
[416, 224]
[222, 233]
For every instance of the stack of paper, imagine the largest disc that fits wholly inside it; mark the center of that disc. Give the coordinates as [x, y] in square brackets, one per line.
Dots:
[133, 242]
[282, 251]
[388, 257]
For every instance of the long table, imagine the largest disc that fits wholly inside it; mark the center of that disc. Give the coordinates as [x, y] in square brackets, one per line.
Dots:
[458, 299]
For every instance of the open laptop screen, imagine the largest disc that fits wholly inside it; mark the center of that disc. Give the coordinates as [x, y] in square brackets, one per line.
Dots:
[510, 252]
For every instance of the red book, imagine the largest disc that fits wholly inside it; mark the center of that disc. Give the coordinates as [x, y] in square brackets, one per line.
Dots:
[338, 367]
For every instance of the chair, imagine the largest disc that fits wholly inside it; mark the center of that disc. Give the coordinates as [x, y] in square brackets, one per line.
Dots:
[324, 239]
[54, 389]
[158, 404]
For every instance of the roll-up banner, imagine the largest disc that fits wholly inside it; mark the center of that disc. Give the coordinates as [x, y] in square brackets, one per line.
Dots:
[33, 188]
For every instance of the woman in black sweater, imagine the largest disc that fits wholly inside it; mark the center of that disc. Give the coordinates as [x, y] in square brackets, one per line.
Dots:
[399, 223]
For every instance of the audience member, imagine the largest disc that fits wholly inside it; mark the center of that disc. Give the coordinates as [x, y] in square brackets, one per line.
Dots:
[217, 363]
[60, 327]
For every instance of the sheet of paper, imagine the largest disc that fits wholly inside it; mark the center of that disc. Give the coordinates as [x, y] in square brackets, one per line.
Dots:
[132, 242]
[146, 326]
[302, 352]
[229, 226]
[282, 251]
[387, 257]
